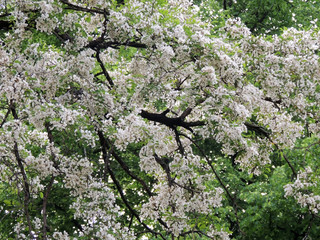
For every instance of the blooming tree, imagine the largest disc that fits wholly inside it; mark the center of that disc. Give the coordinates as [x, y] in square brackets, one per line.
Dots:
[132, 119]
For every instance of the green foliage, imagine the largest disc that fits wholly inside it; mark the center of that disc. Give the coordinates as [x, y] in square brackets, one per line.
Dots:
[262, 209]
[266, 16]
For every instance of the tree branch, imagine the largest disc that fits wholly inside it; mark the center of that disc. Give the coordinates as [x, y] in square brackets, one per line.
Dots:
[172, 122]
[48, 188]
[99, 44]
[164, 163]
[257, 129]
[126, 168]
[104, 147]
[82, 9]
[5, 118]
[26, 188]
[104, 70]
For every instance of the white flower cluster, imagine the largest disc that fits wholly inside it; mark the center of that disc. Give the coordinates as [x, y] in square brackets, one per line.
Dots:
[97, 208]
[302, 190]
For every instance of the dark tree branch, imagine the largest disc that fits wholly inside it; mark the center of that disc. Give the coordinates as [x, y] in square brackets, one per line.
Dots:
[164, 163]
[179, 143]
[63, 37]
[288, 162]
[13, 110]
[104, 70]
[44, 207]
[257, 129]
[261, 18]
[123, 164]
[26, 188]
[5, 15]
[263, 131]
[275, 103]
[284, 156]
[48, 188]
[99, 44]
[224, 4]
[188, 188]
[172, 122]
[200, 233]
[210, 164]
[104, 147]
[307, 231]
[5, 25]
[5, 118]
[127, 170]
[82, 9]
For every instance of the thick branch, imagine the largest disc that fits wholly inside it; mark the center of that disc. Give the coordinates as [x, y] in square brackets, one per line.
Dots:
[288, 162]
[104, 70]
[164, 163]
[13, 110]
[99, 44]
[200, 233]
[275, 102]
[257, 129]
[123, 164]
[63, 37]
[263, 131]
[83, 9]
[172, 122]
[26, 188]
[5, 25]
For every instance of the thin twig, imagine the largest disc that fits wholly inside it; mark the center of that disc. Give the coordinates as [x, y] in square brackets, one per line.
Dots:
[5, 118]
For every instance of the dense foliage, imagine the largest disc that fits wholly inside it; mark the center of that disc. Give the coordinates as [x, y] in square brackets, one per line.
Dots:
[271, 16]
[158, 119]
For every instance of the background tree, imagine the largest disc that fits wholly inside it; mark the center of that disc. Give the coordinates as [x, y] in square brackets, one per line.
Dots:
[270, 17]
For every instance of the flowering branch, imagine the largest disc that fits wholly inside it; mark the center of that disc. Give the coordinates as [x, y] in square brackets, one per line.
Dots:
[104, 147]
